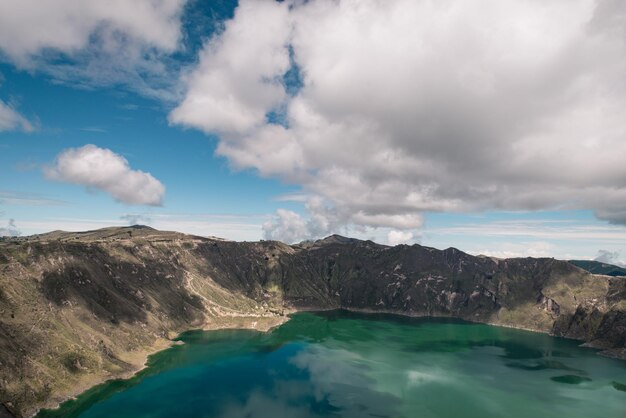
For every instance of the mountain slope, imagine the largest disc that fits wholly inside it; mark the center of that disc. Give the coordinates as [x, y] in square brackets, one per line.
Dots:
[598, 267]
[77, 308]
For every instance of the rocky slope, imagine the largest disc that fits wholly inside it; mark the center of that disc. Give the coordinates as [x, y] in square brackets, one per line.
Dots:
[78, 308]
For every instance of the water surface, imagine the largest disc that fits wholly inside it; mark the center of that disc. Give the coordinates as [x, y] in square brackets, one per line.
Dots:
[340, 364]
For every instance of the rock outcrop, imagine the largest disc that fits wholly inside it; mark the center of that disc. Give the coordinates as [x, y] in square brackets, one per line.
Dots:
[77, 308]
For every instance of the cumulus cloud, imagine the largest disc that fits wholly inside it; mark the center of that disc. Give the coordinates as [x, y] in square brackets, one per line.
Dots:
[102, 169]
[610, 257]
[325, 219]
[287, 226]
[399, 237]
[238, 78]
[10, 230]
[413, 106]
[90, 42]
[11, 120]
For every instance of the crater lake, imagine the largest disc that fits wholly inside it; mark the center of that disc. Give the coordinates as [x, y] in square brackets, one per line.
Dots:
[344, 364]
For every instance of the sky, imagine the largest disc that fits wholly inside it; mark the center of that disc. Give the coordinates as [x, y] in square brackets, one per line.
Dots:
[493, 126]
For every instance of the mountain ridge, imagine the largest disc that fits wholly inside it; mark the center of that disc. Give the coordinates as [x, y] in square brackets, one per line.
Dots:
[79, 308]
[599, 267]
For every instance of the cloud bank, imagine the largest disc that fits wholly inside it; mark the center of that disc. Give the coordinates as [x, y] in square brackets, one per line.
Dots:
[102, 169]
[93, 42]
[413, 106]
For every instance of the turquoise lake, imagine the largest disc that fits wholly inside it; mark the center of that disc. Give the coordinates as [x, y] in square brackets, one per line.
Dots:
[341, 364]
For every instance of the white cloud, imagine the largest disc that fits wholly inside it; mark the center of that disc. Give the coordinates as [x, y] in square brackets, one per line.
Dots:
[413, 106]
[522, 249]
[399, 237]
[10, 230]
[29, 26]
[11, 120]
[325, 219]
[102, 169]
[610, 257]
[237, 80]
[541, 229]
[286, 226]
[101, 42]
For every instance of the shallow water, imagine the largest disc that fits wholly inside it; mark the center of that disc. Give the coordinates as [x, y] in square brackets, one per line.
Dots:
[360, 365]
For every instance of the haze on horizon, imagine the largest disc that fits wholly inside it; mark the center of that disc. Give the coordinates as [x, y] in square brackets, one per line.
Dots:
[494, 126]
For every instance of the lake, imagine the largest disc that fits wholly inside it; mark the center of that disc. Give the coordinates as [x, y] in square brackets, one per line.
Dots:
[342, 364]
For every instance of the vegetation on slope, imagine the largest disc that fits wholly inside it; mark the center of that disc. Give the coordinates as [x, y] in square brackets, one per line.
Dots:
[598, 267]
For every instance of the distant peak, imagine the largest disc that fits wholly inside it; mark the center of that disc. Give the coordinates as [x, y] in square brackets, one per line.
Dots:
[339, 239]
[142, 227]
[331, 239]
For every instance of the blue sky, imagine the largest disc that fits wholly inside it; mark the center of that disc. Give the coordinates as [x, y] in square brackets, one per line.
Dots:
[276, 121]
[135, 127]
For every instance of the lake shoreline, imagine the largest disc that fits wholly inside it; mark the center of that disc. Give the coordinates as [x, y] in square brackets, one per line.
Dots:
[268, 323]
[516, 352]
[614, 353]
[256, 323]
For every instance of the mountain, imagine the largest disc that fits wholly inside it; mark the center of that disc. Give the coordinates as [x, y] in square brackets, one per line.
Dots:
[79, 308]
[598, 267]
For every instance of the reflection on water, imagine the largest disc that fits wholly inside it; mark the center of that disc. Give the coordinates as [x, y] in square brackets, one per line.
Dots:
[340, 364]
